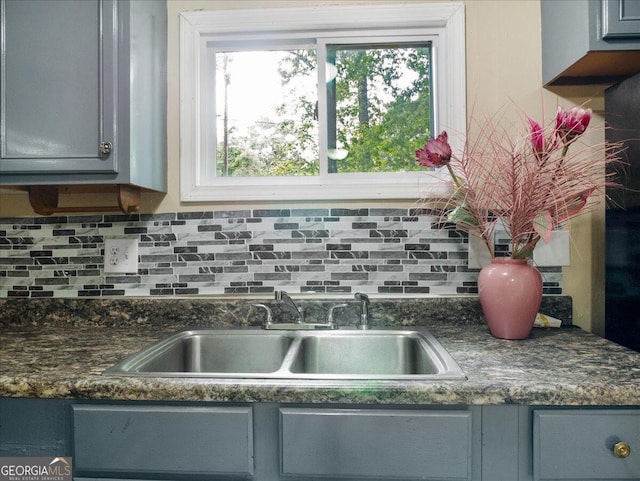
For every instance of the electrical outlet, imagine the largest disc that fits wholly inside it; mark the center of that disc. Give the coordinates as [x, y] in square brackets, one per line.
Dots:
[121, 255]
[479, 255]
[557, 253]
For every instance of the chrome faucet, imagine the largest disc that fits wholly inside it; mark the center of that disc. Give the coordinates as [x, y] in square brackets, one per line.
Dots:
[363, 322]
[300, 323]
[282, 296]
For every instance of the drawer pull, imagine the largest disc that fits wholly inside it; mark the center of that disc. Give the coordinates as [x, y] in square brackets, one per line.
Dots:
[621, 450]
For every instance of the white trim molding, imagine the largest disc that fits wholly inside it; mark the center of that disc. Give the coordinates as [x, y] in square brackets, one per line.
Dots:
[445, 21]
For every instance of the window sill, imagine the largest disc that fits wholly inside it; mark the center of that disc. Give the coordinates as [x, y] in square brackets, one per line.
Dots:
[347, 187]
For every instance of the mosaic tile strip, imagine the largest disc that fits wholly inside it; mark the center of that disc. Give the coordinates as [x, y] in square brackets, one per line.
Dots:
[325, 250]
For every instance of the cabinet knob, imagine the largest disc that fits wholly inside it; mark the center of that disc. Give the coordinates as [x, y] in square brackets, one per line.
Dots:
[105, 147]
[621, 450]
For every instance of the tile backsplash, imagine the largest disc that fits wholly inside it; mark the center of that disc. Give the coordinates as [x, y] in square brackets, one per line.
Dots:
[384, 251]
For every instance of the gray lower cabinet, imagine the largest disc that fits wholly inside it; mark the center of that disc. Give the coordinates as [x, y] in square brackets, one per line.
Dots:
[586, 445]
[35, 427]
[83, 92]
[269, 442]
[380, 443]
[282, 442]
[162, 440]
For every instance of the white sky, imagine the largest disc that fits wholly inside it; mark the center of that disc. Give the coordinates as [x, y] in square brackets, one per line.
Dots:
[255, 90]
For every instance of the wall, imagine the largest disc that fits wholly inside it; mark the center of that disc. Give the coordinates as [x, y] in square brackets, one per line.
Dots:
[503, 65]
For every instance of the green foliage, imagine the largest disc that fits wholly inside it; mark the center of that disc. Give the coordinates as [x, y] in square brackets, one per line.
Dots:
[269, 150]
[397, 116]
[382, 115]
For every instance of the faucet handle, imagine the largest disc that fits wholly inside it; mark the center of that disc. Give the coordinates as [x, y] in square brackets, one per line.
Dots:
[269, 319]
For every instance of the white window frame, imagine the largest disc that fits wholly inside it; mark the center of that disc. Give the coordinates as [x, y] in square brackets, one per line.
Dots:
[442, 22]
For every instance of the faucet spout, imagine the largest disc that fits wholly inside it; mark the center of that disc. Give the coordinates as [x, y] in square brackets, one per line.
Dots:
[363, 322]
[282, 296]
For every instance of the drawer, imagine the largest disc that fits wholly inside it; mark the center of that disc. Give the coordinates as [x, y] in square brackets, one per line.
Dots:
[143, 440]
[579, 444]
[389, 444]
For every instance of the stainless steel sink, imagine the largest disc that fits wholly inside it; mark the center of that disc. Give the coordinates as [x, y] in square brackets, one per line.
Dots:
[210, 351]
[330, 355]
[374, 354]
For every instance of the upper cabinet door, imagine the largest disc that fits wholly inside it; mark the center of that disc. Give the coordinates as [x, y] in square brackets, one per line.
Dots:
[621, 19]
[57, 86]
[589, 42]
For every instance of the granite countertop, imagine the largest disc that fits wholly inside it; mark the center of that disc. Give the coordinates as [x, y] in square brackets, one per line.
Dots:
[61, 352]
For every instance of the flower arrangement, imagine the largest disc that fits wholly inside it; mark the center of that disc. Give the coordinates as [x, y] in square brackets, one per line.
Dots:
[531, 183]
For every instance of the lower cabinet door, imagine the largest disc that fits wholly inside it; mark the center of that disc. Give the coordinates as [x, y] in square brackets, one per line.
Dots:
[586, 445]
[148, 440]
[382, 444]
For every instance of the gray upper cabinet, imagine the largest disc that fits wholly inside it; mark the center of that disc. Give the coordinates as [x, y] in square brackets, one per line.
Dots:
[589, 41]
[621, 19]
[83, 92]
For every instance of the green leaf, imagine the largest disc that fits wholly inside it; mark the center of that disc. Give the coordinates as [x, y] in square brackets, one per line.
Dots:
[460, 215]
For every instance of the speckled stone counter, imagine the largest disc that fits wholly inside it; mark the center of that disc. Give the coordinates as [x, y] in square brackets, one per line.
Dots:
[59, 349]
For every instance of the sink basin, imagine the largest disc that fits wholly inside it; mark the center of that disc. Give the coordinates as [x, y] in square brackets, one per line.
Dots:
[374, 354]
[326, 355]
[210, 351]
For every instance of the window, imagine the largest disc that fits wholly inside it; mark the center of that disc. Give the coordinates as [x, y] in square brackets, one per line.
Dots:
[317, 102]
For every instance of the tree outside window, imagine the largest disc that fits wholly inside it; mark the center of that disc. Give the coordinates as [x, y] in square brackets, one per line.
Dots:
[377, 110]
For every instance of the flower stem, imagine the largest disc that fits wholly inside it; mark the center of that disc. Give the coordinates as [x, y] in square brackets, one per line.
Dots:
[454, 177]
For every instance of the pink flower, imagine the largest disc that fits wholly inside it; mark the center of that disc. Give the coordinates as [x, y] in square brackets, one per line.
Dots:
[571, 123]
[435, 153]
[536, 133]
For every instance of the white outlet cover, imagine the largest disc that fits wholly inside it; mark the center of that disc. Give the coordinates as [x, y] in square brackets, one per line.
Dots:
[557, 253]
[554, 254]
[121, 256]
[479, 255]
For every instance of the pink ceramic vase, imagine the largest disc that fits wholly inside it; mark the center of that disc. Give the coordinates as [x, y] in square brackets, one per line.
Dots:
[510, 294]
